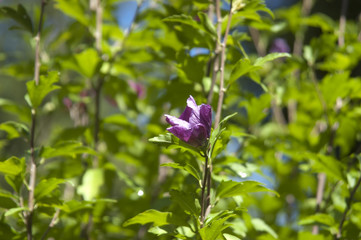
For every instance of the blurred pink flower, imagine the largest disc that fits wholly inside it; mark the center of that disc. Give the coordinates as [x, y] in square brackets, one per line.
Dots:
[279, 45]
[138, 88]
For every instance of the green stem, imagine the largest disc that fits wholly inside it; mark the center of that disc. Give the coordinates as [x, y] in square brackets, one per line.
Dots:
[204, 186]
[349, 202]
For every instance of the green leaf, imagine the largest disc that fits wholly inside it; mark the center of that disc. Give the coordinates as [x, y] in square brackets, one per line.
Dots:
[230, 237]
[185, 201]
[46, 186]
[87, 62]
[191, 32]
[37, 93]
[74, 206]
[256, 108]
[319, 20]
[260, 225]
[118, 119]
[16, 181]
[318, 218]
[157, 231]
[170, 141]
[14, 129]
[184, 166]
[15, 210]
[163, 139]
[150, 216]
[207, 24]
[270, 57]
[231, 188]
[241, 68]
[66, 149]
[183, 19]
[74, 9]
[214, 229]
[7, 194]
[20, 16]
[310, 236]
[244, 66]
[11, 166]
[216, 133]
[93, 180]
[327, 164]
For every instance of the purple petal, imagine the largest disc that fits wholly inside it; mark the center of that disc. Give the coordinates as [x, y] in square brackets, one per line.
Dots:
[198, 135]
[176, 121]
[206, 117]
[194, 124]
[192, 104]
[186, 114]
[181, 132]
[194, 117]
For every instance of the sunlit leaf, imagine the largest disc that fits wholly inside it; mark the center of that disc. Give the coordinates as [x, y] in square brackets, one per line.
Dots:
[93, 180]
[11, 166]
[14, 129]
[318, 218]
[74, 9]
[15, 210]
[231, 188]
[214, 228]
[37, 93]
[46, 186]
[261, 225]
[150, 216]
[270, 57]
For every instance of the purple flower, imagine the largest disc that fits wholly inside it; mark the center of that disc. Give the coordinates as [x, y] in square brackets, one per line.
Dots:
[280, 45]
[194, 124]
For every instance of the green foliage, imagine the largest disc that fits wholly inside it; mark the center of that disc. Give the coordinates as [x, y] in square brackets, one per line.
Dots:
[37, 92]
[232, 189]
[151, 216]
[105, 164]
[19, 15]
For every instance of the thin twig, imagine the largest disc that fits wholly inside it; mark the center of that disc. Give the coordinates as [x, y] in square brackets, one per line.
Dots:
[297, 51]
[96, 6]
[52, 224]
[217, 51]
[32, 163]
[329, 196]
[329, 148]
[98, 88]
[99, 26]
[349, 202]
[260, 48]
[300, 34]
[37, 48]
[342, 25]
[204, 186]
[32, 178]
[223, 60]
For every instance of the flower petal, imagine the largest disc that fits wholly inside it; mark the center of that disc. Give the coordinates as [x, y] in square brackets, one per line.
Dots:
[194, 117]
[181, 132]
[198, 136]
[193, 105]
[206, 117]
[176, 121]
[186, 114]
